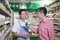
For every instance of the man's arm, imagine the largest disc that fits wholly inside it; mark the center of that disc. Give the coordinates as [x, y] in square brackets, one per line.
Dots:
[34, 30]
[51, 34]
[21, 35]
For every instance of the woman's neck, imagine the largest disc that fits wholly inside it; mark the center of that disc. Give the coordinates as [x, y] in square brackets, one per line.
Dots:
[22, 20]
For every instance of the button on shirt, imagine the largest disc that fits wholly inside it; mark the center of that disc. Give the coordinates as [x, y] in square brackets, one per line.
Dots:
[45, 30]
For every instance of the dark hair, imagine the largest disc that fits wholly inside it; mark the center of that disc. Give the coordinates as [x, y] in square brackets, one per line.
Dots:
[21, 11]
[43, 9]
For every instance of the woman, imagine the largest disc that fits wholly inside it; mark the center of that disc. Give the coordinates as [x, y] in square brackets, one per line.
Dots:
[19, 29]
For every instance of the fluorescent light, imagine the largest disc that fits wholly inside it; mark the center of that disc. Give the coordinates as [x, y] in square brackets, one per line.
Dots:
[13, 5]
[22, 6]
[44, 2]
[17, 5]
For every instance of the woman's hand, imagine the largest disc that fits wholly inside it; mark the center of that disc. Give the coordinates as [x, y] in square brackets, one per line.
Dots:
[30, 33]
[25, 35]
[21, 35]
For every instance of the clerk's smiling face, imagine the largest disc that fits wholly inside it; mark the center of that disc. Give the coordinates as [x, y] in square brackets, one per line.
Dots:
[23, 15]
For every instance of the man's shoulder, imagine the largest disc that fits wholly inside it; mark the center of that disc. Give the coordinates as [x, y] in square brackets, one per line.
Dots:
[49, 21]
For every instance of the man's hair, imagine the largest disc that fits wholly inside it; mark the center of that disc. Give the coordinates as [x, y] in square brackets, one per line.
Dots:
[43, 9]
[21, 11]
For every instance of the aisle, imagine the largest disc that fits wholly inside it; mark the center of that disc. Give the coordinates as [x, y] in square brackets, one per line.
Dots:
[57, 37]
[36, 38]
[31, 38]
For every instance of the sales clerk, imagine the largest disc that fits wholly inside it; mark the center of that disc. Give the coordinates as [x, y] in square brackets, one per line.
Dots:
[20, 30]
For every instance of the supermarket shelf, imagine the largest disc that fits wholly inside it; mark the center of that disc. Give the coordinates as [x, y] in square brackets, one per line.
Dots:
[1, 28]
[3, 10]
[53, 13]
[57, 23]
[49, 14]
[6, 32]
[1, 24]
[8, 8]
[6, 13]
[5, 26]
[57, 29]
[57, 35]
[53, 18]
[7, 22]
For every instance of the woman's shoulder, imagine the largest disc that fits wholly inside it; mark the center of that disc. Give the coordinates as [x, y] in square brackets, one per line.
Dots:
[16, 22]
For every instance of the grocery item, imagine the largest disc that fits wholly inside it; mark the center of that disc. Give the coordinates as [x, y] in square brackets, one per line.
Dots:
[55, 17]
[27, 24]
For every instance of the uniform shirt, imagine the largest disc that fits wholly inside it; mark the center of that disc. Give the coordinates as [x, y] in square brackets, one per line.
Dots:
[45, 30]
[16, 27]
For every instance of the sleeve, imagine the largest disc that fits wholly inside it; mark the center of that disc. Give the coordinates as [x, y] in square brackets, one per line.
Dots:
[36, 30]
[51, 33]
[15, 27]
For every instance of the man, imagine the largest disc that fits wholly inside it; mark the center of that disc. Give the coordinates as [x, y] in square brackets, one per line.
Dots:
[45, 28]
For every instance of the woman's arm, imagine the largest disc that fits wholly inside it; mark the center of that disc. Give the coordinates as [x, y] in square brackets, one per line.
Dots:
[21, 35]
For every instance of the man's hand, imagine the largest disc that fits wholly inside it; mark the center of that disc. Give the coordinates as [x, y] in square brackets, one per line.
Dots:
[31, 28]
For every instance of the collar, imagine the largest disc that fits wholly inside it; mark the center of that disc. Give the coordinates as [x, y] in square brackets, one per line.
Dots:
[44, 20]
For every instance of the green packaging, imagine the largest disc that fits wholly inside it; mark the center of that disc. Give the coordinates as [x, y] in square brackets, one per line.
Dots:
[27, 24]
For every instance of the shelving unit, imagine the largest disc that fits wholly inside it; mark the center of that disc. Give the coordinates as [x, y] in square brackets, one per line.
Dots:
[54, 12]
[5, 26]
[56, 20]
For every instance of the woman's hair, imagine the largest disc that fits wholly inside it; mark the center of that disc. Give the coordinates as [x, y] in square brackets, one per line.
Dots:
[21, 11]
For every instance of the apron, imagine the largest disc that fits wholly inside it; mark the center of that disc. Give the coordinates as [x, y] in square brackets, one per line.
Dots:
[23, 30]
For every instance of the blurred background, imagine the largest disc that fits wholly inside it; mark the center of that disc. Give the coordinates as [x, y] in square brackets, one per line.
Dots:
[9, 14]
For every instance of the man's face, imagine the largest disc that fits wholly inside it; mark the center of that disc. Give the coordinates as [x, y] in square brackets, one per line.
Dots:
[40, 14]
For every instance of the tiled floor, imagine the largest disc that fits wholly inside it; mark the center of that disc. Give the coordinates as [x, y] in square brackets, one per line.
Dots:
[36, 38]
[57, 37]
